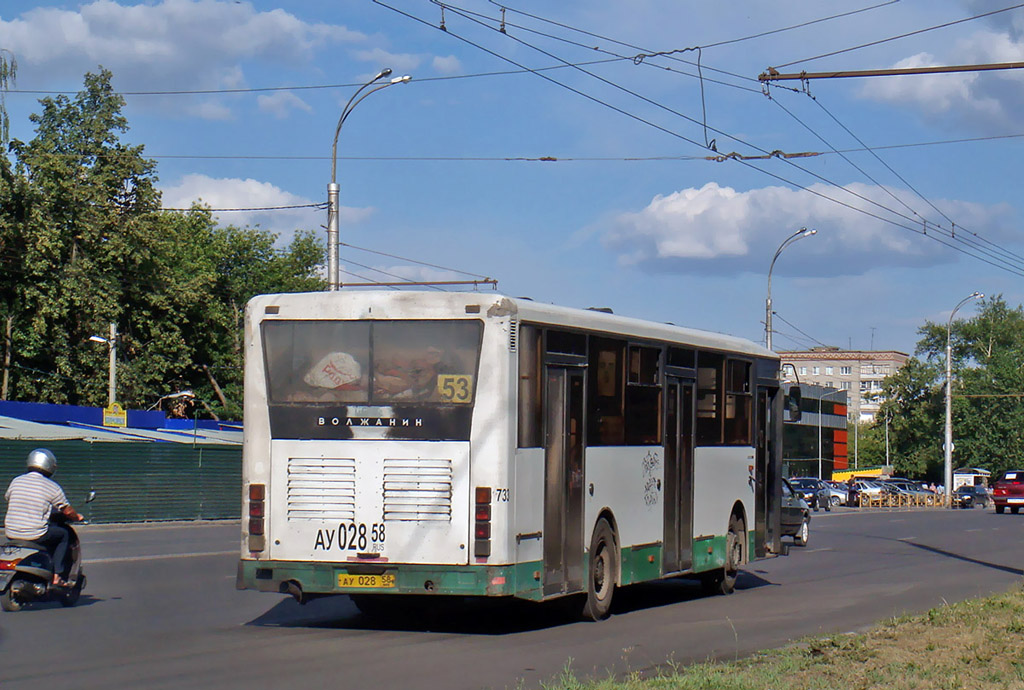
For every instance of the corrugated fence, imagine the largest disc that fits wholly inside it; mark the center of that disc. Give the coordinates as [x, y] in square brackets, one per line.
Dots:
[138, 482]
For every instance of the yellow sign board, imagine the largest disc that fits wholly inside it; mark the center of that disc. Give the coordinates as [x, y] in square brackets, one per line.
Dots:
[115, 415]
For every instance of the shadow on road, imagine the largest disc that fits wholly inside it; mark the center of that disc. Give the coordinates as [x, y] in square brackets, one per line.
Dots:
[966, 559]
[482, 616]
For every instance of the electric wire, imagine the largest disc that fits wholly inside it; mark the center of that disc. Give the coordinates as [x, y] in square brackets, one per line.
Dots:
[936, 227]
[798, 330]
[413, 261]
[390, 275]
[868, 200]
[901, 36]
[536, 159]
[315, 87]
[952, 223]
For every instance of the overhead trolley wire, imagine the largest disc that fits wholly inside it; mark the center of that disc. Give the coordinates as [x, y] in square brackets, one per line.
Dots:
[911, 227]
[901, 36]
[926, 223]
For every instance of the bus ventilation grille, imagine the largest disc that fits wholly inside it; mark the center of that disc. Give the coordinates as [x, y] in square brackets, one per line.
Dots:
[322, 489]
[417, 490]
[513, 335]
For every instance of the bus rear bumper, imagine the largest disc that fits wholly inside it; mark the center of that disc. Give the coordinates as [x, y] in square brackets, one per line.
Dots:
[309, 579]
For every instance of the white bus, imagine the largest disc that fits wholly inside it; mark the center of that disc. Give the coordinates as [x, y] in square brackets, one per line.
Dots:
[436, 443]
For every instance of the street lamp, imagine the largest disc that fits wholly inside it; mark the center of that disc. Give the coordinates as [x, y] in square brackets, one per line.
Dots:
[111, 342]
[798, 235]
[948, 446]
[333, 280]
[820, 449]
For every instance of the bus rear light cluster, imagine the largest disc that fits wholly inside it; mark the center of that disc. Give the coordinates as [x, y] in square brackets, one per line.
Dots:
[257, 513]
[482, 522]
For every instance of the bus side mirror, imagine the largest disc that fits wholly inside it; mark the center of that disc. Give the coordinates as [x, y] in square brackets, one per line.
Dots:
[793, 398]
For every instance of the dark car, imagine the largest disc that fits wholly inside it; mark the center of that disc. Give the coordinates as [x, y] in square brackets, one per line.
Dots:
[1008, 491]
[817, 493]
[796, 515]
[969, 496]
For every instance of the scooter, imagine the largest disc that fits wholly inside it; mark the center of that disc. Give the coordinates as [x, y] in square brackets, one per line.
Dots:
[27, 568]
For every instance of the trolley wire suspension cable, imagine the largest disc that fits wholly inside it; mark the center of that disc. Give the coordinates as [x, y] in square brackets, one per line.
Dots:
[953, 225]
[901, 36]
[670, 54]
[926, 224]
[791, 325]
[910, 227]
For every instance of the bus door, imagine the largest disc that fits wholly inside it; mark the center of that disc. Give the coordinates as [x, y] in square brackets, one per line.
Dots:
[678, 544]
[763, 497]
[563, 481]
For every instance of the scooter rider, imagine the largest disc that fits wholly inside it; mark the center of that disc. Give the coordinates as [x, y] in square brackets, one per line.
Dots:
[31, 499]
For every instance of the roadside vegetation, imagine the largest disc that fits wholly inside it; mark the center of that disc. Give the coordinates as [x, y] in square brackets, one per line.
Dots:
[972, 644]
[85, 242]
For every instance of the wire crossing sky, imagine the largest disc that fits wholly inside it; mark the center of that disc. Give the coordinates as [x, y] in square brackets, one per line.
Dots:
[586, 153]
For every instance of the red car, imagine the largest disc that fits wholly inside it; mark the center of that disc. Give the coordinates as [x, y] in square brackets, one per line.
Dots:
[1009, 491]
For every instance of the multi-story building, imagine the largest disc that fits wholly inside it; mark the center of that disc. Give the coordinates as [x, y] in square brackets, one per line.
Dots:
[814, 431]
[859, 372]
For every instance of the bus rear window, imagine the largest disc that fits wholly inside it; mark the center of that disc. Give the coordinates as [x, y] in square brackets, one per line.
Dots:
[371, 362]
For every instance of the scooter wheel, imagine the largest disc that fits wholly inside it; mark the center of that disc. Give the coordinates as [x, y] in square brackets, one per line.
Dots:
[8, 602]
[70, 597]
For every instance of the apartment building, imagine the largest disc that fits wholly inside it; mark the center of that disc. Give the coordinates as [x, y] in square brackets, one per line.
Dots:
[858, 372]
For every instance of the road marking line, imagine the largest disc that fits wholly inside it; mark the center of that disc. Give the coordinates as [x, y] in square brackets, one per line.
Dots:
[827, 548]
[157, 557]
[906, 538]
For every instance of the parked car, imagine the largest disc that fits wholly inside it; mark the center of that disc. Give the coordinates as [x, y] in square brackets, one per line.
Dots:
[815, 492]
[796, 515]
[969, 496]
[1008, 491]
[837, 493]
[867, 487]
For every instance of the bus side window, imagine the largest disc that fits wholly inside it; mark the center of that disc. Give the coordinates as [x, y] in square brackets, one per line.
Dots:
[709, 398]
[643, 396]
[605, 408]
[530, 389]
[738, 403]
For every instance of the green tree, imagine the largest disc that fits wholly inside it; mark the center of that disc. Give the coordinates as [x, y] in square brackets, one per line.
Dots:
[85, 244]
[8, 73]
[913, 408]
[988, 384]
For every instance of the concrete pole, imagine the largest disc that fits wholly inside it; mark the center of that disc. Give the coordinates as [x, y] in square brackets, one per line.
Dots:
[947, 447]
[112, 353]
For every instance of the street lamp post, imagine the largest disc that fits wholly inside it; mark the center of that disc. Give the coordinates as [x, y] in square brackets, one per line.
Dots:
[333, 280]
[948, 445]
[112, 366]
[799, 234]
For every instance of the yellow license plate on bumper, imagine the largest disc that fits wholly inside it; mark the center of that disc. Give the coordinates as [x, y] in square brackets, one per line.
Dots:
[368, 581]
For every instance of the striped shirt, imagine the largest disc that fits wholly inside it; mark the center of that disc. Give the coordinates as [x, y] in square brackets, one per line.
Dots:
[31, 498]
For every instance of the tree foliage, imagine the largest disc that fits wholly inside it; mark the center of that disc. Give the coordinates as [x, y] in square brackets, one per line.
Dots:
[988, 395]
[84, 244]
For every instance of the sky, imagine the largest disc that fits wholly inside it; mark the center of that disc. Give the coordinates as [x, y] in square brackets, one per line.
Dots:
[593, 153]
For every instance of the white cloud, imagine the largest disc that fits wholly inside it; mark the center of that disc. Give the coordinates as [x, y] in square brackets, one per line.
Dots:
[399, 62]
[222, 193]
[447, 65]
[977, 99]
[720, 230]
[280, 103]
[172, 43]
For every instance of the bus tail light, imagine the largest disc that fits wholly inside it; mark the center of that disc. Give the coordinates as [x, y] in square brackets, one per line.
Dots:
[482, 522]
[257, 512]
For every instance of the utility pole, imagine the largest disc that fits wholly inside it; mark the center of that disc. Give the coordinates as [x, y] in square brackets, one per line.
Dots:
[7, 356]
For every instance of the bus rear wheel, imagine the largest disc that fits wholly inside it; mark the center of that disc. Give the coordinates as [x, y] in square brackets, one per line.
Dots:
[723, 580]
[602, 572]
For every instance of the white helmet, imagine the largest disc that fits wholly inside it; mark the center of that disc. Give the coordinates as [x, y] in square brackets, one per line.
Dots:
[42, 460]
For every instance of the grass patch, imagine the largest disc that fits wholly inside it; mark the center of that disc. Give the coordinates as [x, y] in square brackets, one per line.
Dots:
[971, 644]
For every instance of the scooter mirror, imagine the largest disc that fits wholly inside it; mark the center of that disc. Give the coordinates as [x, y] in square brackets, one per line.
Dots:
[90, 497]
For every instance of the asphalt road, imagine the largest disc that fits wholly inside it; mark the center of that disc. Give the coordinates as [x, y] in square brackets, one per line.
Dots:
[161, 611]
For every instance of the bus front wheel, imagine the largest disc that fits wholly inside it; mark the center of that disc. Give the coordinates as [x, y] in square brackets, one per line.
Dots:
[601, 572]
